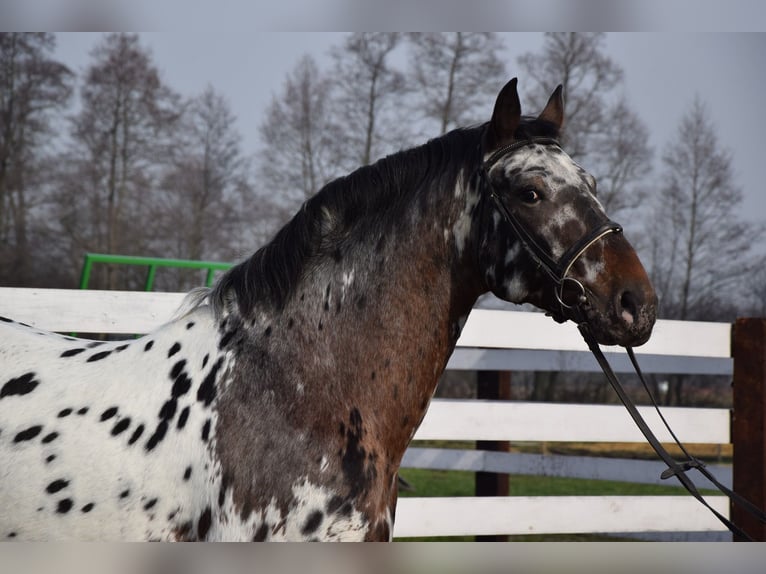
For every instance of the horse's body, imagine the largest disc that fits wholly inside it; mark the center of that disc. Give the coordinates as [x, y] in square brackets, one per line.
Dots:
[281, 405]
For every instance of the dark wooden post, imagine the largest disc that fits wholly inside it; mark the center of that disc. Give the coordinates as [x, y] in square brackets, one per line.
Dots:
[748, 421]
[496, 386]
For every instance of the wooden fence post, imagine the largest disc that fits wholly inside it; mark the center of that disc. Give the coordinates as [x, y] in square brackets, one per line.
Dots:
[495, 386]
[748, 421]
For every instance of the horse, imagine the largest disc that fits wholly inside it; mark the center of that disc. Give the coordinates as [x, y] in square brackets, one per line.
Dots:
[277, 405]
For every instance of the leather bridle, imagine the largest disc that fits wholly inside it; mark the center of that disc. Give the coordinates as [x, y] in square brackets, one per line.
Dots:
[557, 271]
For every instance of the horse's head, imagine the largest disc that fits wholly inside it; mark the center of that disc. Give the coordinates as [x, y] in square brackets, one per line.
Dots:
[545, 238]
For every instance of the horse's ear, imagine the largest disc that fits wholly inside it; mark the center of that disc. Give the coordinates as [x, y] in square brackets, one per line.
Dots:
[554, 109]
[505, 118]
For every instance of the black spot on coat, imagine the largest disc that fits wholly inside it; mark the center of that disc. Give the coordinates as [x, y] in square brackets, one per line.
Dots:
[108, 413]
[177, 369]
[226, 339]
[50, 437]
[206, 430]
[261, 533]
[358, 473]
[28, 434]
[148, 346]
[64, 506]
[22, 385]
[159, 434]
[207, 391]
[136, 434]
[168, 410]
[98, 356]
[203, 525]
[174, 349]
[64, 413]
[121, 426]
[56, 486]
[312, 522]
[181, 385]
[72, 352]
[182, 418]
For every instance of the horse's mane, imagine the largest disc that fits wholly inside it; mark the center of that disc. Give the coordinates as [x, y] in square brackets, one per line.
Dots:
[378, 195]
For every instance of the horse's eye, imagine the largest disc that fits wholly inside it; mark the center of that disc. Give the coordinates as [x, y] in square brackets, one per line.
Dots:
[529, 195]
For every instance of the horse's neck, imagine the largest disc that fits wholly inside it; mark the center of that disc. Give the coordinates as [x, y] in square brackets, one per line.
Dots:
[341, 375]
[382, 320]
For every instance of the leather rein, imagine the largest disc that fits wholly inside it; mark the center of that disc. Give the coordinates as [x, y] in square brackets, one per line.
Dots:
[557, 271]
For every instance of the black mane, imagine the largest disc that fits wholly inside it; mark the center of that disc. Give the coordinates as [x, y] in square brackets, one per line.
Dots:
[378, 195]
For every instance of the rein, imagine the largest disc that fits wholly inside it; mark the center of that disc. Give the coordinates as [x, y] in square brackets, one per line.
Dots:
[675, 468]
[557, 270]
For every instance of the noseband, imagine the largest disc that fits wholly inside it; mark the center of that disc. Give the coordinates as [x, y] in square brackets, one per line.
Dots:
[557, 270]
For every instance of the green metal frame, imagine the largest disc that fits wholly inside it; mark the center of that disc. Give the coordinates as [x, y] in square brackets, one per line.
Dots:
[152, 263]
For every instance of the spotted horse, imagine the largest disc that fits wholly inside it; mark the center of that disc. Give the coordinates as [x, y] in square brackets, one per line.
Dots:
[279, 403]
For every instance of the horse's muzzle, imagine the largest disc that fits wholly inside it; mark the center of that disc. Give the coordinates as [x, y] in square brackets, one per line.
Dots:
[626, 319]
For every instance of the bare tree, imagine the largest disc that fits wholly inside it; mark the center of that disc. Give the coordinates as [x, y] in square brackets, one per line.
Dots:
[455, 73]
[621, 159]
[33, 87]
[120, 138]
[701, 256]
[577, 62]
[368, 90]
[204, 187]
[300, 146]
[701, 249]
[600, 130]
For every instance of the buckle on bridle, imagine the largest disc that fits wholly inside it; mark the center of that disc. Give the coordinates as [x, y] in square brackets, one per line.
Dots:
[580, 298]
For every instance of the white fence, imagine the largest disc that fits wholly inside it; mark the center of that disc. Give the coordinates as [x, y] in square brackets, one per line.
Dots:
[493, 340]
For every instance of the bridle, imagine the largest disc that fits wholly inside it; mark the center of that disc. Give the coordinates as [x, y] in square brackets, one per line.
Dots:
[557, 271]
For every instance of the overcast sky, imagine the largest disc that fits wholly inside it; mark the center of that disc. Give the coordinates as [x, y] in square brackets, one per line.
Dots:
[663, 73]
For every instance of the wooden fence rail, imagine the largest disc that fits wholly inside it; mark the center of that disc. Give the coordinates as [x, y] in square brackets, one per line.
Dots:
[507, 341]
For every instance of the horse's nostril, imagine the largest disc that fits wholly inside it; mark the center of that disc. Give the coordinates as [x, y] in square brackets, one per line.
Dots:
[628, 307]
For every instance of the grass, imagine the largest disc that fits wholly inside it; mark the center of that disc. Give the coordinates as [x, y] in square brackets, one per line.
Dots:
[462, 483]
[718, 453]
